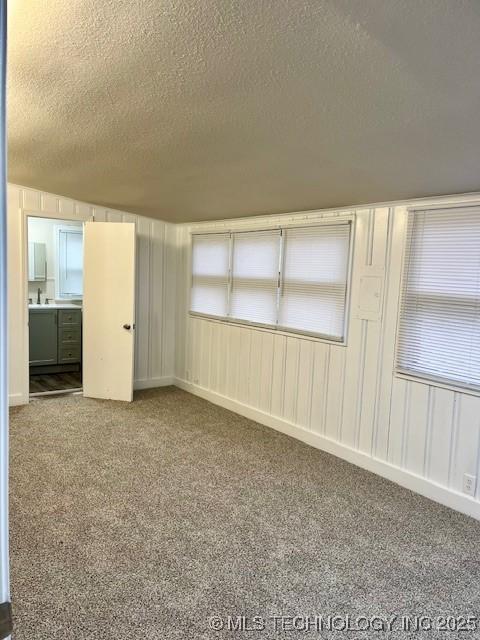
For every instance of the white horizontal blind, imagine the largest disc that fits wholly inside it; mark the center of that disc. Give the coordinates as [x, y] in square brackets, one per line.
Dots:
[293, 279]
[70, 263]
[314, 279]
[210, 274]
[255, 267]
[439, 333]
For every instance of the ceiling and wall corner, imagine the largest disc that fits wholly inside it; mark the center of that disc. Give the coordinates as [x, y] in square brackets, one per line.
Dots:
[191, 110]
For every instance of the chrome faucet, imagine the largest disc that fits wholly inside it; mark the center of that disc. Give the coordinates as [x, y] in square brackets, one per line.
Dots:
[39, 291]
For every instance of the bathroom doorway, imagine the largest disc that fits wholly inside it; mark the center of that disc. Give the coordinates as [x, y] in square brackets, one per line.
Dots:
[55, 294]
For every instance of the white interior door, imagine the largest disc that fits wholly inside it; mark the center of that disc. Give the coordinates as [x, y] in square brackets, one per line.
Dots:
[108, 310]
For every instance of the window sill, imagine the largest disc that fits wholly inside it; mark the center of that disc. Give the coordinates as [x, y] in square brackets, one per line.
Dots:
[432, 382]
[291, 333]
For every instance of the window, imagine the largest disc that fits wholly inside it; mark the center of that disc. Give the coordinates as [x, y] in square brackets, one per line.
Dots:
[255, 269]
[69, 281]
[314, 280]
[293, 279]
[210, 274]
[439, 332]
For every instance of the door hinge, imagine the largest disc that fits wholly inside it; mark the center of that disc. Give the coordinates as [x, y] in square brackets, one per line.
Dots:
[6, 621]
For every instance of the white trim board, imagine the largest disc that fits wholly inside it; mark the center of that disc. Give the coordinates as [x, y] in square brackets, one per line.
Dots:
[406, 479]
[17, 399]
[152, 383]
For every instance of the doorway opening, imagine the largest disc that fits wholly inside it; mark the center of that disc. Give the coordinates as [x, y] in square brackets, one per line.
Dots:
[55, 294]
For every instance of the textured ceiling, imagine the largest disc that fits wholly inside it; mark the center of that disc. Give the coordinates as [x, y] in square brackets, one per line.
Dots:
[193, 110]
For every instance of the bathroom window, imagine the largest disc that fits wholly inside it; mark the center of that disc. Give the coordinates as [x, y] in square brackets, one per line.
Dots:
[69, 279]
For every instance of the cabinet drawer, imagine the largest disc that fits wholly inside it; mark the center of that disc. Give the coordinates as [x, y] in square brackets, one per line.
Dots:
[69, 336]
[69, 354]
[67, 317]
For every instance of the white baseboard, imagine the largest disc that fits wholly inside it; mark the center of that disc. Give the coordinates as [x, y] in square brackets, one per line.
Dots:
[151, 383]
[438, 493]
[17, 399]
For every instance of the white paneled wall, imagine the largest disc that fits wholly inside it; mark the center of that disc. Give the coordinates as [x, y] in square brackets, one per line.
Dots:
[344, 399]
[155, 322]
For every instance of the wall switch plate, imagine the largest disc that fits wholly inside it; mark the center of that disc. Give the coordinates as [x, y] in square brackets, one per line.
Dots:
[469, 484]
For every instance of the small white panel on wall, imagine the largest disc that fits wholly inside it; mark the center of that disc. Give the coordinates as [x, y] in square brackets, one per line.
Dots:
[370, 294]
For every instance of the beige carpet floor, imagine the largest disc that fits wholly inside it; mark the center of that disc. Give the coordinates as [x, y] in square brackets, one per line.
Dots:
[142, 521]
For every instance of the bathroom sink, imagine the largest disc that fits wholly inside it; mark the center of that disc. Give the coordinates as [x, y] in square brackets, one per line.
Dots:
[55, 305]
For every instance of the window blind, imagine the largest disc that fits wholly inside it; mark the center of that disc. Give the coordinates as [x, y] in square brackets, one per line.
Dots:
[314, 279]
[291, 279]
[70, 263]
[439, 330]
[210, 274]
[255, 268]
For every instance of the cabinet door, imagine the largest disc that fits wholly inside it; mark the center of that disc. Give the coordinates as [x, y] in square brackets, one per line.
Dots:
[43, 336]
[37, 261]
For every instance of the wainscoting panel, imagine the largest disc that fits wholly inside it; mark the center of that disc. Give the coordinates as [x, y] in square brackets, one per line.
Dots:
[348, 398]
[155, 304]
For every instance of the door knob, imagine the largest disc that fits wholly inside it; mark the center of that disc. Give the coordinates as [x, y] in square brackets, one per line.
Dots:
[127, 327]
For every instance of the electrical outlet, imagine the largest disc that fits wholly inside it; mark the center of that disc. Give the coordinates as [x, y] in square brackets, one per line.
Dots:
[469, 484]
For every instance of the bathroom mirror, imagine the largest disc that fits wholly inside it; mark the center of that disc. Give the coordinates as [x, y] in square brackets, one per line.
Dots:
[55, 260]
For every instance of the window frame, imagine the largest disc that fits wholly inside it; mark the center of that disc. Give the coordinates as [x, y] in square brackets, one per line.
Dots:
[277, 329]
[65, 228]
[399, 372]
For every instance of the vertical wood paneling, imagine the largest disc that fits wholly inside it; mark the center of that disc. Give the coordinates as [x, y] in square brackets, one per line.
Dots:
[82, 210]
[31, 199]
[305, 379]
[465, 455]
[320, 382]
[397, 418]
[367, 402]
[190, 350]
[214, 358]
[278, 374]
[440, 436]
[255, 366]
[233, 359]
[372, 354]
[205, 353]
[155, 322]
[350, 394]
[156, 283]
[99, 214]
[196, 350]
[354, 369]
[415, 426]
[389, 329]
[49, 203]
[67, 207]
[336, 384]
[182, 292]
[291, 379]
[168, 301]
[265, 384]
[142, 311]
[244, 366]
[222, 332]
